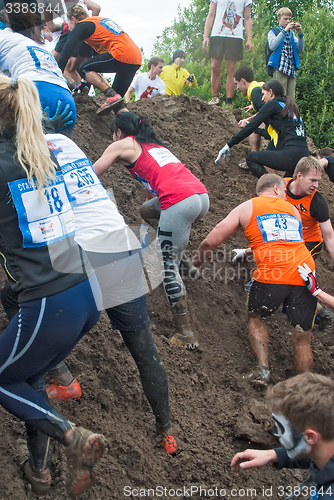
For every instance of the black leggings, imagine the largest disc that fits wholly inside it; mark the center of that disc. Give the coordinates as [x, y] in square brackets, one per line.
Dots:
[286, 159]
[106, 63]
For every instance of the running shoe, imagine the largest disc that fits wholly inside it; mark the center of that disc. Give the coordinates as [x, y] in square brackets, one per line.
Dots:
[40, 480]
[58, 391]
[186, 340]
[214, 101]
[82, 455]
[243, 165]
[110, 103]
[260, 376]
[169, 444]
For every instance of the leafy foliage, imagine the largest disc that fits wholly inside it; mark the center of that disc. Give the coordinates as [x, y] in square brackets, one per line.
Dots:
[314, 93]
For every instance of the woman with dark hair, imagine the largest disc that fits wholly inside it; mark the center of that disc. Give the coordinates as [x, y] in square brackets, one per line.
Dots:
[179, 199]
[285, 127]
[58, 303]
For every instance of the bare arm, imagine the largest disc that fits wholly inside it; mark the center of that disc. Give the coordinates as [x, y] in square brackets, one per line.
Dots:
[128, 93]
[94, 7]
[252, 458]
[208, 25]
[107, 159]
[328, 235]
[221, 232]
[248, 28]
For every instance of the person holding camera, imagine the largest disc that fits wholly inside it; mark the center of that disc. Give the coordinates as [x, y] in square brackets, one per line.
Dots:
[175, 77]
[285, 47]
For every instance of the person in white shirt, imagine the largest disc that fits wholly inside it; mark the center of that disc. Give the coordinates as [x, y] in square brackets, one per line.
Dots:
[146, 85]
[225, 17]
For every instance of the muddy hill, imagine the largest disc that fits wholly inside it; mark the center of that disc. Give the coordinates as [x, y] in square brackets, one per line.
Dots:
[215, 413]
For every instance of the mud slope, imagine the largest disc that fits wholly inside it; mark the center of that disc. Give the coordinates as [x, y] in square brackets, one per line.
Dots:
[215, 413]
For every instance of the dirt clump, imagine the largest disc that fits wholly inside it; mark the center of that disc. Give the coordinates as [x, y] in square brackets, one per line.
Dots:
[215, 413]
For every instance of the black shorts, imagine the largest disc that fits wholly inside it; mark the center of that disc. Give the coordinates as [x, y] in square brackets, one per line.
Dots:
[81, 49]
[314, 247]
[225, 47]
[298, 303]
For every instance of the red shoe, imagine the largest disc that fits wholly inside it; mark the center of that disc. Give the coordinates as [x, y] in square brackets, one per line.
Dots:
[169, 444]
[109, 104]
[72, 391]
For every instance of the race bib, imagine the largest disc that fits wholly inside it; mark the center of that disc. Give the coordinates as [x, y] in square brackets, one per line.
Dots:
[163, 156]
[42, 221]
[82, 183]
[279, 227]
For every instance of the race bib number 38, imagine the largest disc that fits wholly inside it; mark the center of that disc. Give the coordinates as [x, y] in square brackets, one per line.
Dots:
[43, 221]
[279, 227]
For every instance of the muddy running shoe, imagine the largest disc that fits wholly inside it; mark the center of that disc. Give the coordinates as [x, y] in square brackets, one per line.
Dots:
[260, 376]
[243, 165]
[169, 444]
[215, 101]
[110, 103]
[40, 480]
[58, 391]
[82, 454]
[324, 318]
[186, 340]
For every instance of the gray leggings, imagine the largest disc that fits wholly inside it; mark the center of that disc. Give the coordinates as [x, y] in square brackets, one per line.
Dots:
[173, 233]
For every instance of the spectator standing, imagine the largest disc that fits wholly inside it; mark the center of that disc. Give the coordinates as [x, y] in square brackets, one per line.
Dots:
[146, 85]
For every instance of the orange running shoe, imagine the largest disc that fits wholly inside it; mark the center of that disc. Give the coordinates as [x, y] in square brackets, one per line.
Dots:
[109, 104]
[169, 444]
[58, 391]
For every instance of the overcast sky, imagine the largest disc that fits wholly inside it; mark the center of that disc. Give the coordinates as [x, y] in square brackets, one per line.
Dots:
[142, 20]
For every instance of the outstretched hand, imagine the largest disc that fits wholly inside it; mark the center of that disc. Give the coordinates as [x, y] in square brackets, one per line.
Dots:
[223, 153]
[59, 120]
[311, 282]
[252, 458]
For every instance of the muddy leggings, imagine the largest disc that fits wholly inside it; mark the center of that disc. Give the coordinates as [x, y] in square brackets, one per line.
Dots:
[286, 159]
[173, 230]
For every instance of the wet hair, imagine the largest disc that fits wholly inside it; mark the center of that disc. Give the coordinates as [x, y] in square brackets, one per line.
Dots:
[307, 401]
[78, 12]
[28, 24]
[326, 152]
[155, 61]
[20, 110]
[284, 11]
[290, 109]
[244, 72]
[305, 165]
[268, 181]
[132, 125]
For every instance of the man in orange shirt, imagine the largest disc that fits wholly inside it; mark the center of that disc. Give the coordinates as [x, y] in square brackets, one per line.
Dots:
[117, 53]
[274, 231]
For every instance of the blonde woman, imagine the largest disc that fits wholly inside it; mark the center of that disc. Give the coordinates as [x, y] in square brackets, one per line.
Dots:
[58, 303]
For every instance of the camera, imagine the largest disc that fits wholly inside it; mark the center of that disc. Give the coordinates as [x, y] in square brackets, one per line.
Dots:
[190, 78]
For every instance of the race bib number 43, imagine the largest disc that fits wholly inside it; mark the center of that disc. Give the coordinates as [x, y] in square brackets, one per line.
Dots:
[43, 221]
[279, 227]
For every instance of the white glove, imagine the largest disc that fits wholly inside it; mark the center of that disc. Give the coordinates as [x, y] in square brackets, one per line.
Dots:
[240, 253]
[223, 153]
[144, 237]
[311, 283]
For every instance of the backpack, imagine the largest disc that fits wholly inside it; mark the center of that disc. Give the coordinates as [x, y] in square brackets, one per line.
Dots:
[268, 52]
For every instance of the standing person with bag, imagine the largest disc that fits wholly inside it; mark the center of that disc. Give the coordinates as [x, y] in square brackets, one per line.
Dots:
[50, 271]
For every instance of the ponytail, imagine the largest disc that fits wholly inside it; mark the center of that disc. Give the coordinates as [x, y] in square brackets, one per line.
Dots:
[132, 125]
[290, 109]
[20, 109]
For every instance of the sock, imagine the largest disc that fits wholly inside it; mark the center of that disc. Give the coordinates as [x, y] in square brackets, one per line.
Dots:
[228, 100]
[109, 92]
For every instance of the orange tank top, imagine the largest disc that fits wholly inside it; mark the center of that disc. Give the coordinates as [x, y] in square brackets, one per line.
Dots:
[109, 37]
[311, 228]
[275, 236]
